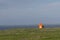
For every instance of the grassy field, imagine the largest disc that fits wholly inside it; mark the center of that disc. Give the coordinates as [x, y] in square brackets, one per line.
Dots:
[30, 34]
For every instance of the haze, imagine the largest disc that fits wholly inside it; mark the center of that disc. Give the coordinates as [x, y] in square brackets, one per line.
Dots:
[29, 12]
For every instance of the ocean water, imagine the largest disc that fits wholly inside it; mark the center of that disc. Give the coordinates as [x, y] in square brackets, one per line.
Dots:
[26, 26]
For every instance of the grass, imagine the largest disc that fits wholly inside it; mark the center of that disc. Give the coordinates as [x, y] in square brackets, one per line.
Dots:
[30, 34]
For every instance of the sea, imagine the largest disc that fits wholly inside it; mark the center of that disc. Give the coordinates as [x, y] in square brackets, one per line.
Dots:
[3, 27]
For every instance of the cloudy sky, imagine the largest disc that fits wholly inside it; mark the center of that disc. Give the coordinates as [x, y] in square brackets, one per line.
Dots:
[29, 12]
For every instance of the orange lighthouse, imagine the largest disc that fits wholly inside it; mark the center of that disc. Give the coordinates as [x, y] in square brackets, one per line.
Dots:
[40, 26]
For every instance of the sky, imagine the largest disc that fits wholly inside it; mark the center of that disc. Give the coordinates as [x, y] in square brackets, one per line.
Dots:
[29, 12]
